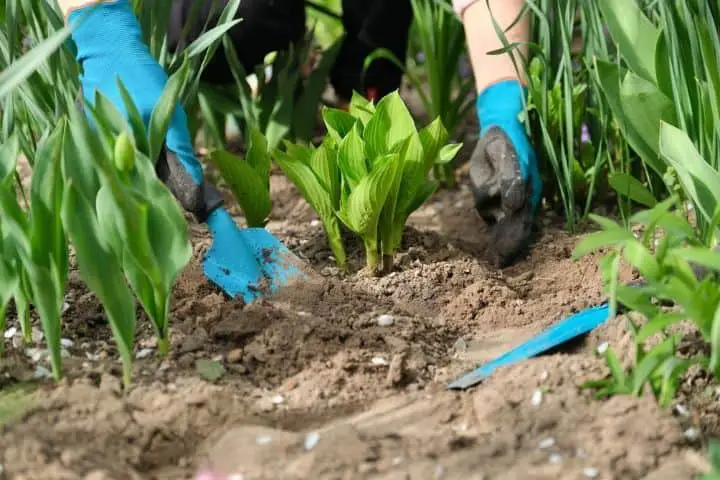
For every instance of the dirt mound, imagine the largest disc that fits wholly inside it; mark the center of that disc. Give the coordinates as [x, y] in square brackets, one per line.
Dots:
[344, 376]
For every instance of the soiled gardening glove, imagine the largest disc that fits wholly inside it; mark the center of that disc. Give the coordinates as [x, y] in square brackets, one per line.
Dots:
[503, 169]
[110, 46]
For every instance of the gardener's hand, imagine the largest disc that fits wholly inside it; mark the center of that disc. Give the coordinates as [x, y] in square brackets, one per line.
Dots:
[110, 47]
[504, 171]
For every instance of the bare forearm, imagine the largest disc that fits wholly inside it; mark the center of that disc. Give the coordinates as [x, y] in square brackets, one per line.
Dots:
[482, 38]
[67, 6]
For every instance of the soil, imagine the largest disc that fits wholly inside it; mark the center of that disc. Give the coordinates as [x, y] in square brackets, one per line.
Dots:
[345, 376]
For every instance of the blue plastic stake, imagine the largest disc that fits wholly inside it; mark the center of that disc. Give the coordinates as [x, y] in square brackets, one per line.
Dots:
[567, 329]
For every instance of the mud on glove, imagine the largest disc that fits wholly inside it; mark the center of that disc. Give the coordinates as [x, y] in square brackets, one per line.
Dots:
[504, 170]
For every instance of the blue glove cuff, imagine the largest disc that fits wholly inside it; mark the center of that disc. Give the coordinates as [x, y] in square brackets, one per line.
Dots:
[499, 104]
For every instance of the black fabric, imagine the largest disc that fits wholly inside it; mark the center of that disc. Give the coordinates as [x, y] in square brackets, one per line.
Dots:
[272, 25]
[266, 26]
[372, 24]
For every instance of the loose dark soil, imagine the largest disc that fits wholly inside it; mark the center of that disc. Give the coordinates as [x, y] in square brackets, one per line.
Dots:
[312, 386]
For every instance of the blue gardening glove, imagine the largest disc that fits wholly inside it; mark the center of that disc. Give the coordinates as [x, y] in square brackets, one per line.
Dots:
[503, 169]
[110, 46]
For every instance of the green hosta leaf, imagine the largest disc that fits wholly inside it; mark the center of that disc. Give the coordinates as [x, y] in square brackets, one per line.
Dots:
[307, 182]
[634, 33]
[447, 153]
[258, 156]
[414, 171]
[608, 76]
[699, 180]
[390, 125]
[323, 163]
[630, 187]
[362, 209]
[644, 106]
[433, 137]
[337, 122]
[311, 188]
[249, 186]
[361, 108]
[352, 158]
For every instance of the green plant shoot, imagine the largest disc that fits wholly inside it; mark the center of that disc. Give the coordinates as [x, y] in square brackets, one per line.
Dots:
[382, 166]
[249, 179]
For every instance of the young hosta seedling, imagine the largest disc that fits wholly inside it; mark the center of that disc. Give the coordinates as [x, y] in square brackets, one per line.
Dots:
[316, 174]
[667, 256]
[374, 168]
[249, 179]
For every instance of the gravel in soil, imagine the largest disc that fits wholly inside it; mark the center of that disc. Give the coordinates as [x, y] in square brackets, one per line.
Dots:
[344, 377]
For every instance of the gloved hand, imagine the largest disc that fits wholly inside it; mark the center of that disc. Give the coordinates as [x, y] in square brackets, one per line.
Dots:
[504, 170]
[110, 46]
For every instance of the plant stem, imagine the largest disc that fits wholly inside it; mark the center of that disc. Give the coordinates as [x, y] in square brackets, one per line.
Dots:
[372, 256]
[388, 263]
[163, 345]
[338, 249]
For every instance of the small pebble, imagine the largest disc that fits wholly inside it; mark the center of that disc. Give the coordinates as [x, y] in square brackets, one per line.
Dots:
[10, 332]
[397, 461]
[37, 335]
[555, 458]
[546, 443]
[385, 320]
[66, 342]
[544, 376]
[144, 353]
[602, 348]
[439, 471]
[379, 361]
[537, 398]
[278, 399]
[691, 434]
[590, 472]
[236, 476]
[42, 373]
[311, 440]
[263, 440]
[682, 410]
[315, 223]
[235, 355]
[65, 307]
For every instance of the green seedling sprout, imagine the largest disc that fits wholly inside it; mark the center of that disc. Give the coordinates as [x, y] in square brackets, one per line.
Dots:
[249, 179]
[371, 173]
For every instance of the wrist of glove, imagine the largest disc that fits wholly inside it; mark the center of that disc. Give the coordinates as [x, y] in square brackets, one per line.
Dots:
[110, 48]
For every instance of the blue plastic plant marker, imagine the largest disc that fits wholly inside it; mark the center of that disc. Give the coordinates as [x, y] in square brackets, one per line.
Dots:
[567, 329]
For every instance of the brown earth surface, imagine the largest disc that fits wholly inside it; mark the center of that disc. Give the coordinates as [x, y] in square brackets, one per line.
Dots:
[312, 385]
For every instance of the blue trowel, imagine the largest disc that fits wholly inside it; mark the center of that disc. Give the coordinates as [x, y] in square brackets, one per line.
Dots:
[569, 328]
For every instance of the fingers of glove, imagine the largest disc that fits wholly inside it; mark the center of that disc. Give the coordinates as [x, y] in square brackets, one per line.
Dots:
[496, 177]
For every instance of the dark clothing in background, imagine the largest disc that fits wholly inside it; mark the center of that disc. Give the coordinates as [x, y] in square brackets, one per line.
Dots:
[272, 25]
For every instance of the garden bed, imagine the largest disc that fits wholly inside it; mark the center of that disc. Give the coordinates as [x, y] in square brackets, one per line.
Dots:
[316, 384]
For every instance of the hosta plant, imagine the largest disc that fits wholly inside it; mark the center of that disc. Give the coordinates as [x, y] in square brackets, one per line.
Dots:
[249, 178]
[370, 173]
